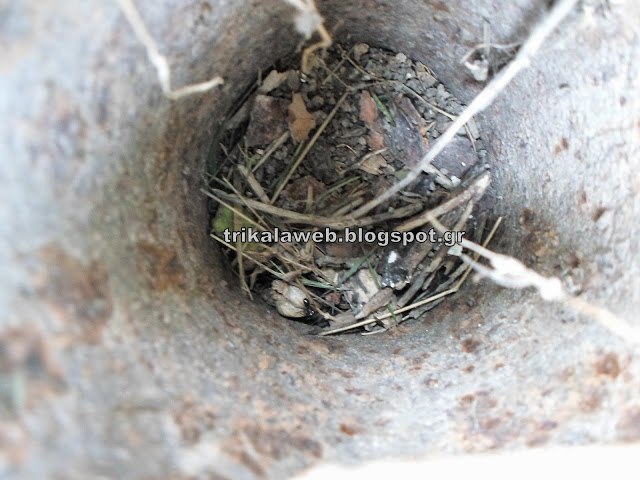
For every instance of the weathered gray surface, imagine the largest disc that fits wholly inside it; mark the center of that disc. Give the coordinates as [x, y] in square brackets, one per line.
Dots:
[126, 351]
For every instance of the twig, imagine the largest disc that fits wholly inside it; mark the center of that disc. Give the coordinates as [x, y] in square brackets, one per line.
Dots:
[316, 220]
[488, 45]
[283, 138]
[308, 147]
[418, 282]
[308, 21]
[254, 184]
[160, 61]
[240, 249]
[475, 190]
[540, 32]
[511, 273]
[228, 245]
[433, 298]
[336, 68]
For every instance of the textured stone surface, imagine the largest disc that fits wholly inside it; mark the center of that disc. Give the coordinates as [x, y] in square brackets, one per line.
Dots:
[126, 350]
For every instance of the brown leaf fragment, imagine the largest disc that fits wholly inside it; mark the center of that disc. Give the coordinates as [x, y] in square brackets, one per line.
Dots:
[272, 81]
[368, 110]
[268, 120]
[301, 122]
[373, 164]
[376, 141]
[369, 115]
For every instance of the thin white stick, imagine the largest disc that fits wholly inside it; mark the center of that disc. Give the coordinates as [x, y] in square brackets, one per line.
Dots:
[482, 100]
[511, 273]
[159, 61]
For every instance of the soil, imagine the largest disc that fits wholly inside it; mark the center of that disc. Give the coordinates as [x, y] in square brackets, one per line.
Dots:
[347, 151]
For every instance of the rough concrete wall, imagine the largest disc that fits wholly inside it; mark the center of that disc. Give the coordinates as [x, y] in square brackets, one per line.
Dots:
[127, 352]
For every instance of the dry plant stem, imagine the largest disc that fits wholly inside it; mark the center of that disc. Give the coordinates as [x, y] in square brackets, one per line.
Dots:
[306, 150]
[266, 227]
[325, 42]
[254, 184]
[356, 202]
[337, 67]
[291, 250]
[332, 73]
[240, 249]
[540, 32]
[283, 138]
[308, 8]
[238, 212]
[610, 321]
[249, 257]
[436, 262]
[159, 61]
[511, 273]
[488, 45]
[417, 304]
[349, 198]
[475, 190]
[315, 220]
[450, 116]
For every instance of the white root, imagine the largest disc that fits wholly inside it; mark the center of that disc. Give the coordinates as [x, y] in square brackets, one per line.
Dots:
[159, 61]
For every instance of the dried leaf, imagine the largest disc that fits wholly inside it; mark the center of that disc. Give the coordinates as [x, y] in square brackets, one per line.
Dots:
[373, 164]
[377, 141]
[301, 122]
[272, 81]
[368, 110]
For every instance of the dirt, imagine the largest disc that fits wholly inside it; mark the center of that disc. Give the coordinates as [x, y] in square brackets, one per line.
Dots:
[323, 143]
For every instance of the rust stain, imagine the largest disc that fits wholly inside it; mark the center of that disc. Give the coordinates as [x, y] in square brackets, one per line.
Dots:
[160, 266]
[470, 345]
[591, 401]
[561, 146]
[194, 419]
[78, 293]
[355, 391]
[349, 430]
[467, 399]
[597, 213]
[441, 7]
[628, 427]
[253, 465]
[278, 443]
[582, 199]
[608, 365]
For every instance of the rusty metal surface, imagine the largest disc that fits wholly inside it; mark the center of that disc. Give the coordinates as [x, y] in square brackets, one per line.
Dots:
[126, 351]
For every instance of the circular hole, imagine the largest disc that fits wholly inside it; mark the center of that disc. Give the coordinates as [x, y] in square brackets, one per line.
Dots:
[301, 152]
[163, 358]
